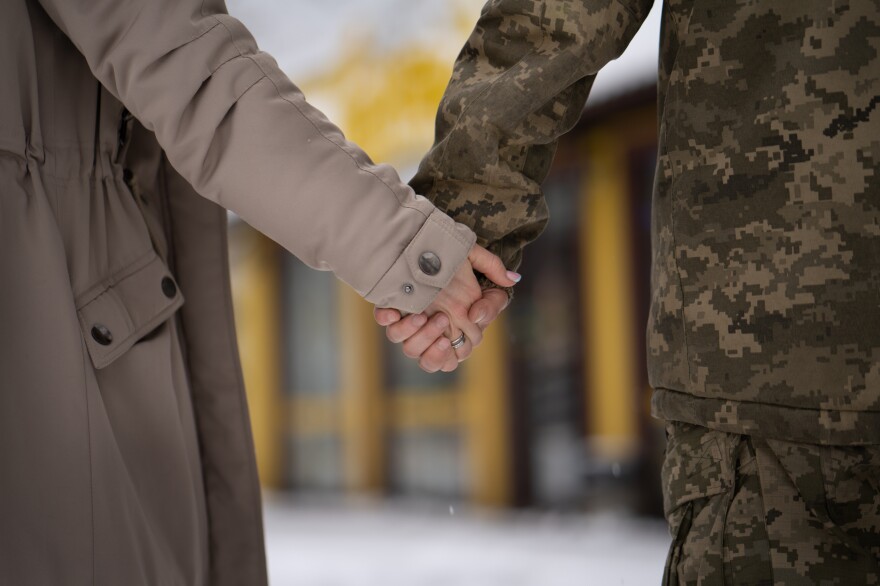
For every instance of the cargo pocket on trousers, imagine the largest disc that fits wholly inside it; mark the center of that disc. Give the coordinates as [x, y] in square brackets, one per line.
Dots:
[126, 307]
[850, 502]
[697, 467]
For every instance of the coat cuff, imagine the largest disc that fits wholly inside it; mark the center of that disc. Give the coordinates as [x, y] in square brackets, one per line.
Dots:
[426, 265]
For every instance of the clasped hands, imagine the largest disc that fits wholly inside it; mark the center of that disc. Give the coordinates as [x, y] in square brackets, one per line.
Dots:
[463, 307]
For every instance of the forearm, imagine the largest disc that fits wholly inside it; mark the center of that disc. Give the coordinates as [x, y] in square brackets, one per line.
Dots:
[520, 82]
[243, 135]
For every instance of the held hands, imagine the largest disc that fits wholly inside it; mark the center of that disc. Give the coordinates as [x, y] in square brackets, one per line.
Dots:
[461, 308]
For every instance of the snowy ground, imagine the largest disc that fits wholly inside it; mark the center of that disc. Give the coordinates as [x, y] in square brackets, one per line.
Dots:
[397, 545]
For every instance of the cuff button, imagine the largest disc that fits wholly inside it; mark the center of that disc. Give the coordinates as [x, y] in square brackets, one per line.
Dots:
[169, 288]
[102, 335]
[430, 263]
[408, 289]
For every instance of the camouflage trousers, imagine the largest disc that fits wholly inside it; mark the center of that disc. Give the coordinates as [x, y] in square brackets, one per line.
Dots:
[747, 511]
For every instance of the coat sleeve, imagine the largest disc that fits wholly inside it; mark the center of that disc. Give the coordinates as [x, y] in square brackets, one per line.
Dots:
[243, 135]
[519, 83]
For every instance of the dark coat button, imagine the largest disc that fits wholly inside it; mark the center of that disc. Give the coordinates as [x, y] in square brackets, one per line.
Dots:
[102, 335]
[430, 263]
[169, 288]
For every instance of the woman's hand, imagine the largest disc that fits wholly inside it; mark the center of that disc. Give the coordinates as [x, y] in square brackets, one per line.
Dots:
[461, 308]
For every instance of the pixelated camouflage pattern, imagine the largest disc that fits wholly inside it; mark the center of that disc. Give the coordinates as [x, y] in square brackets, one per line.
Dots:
[750, 511]
[520, 82]
[766, 208]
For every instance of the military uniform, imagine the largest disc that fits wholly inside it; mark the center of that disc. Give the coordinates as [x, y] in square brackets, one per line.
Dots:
[764, 329]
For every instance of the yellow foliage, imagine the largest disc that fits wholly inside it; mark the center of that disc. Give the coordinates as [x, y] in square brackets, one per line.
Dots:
[386, 101]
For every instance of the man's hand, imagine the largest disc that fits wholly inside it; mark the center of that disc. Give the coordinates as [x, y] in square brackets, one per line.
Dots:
[462, 307]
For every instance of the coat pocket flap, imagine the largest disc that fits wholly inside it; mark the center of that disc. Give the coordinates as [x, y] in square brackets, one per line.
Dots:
[126, 307]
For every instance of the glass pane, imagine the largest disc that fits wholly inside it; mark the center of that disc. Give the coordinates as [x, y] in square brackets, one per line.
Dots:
[315, 462]
[545, 326]
[404, 373]
[311, 329]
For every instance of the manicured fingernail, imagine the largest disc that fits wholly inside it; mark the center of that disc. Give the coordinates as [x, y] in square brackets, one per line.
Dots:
[441, 321]
[515, 277]
[480, 317]
[419, 320]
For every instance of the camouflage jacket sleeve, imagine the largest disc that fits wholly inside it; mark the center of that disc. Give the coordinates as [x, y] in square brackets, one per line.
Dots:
[519, 83]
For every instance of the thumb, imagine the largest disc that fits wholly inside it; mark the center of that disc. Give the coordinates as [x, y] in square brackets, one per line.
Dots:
[490, 265]
[484, 311]
[386, 317]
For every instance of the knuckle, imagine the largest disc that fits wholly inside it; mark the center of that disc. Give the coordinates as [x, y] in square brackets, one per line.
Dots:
[480, 311]
[439, 325]
[428, 366]
[437, 356]
[495, 302]
[409, 351]
[459, 311]
[397, 334]
[436, 328]
[493, 309]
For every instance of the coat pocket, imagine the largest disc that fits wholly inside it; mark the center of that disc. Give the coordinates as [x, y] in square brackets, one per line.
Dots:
[125, 307]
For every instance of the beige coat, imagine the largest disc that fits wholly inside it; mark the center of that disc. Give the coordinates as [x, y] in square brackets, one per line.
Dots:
[125, 448]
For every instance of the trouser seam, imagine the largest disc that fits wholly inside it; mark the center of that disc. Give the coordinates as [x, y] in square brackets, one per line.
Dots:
[770, 564]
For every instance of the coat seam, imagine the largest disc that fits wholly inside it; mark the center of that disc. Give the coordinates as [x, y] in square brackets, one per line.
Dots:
[114, 279]
[244, 421]
[629, 9]
[390, 268]
[821, 410]
[239, 379]
[673, 197]
[249, 87]
[450, 231]
[662, 116]
[86, 365]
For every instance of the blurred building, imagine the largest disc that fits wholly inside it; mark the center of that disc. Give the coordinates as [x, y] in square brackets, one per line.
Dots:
[552, 409]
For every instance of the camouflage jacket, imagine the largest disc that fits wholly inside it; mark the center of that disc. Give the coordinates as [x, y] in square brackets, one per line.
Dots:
[765, 311]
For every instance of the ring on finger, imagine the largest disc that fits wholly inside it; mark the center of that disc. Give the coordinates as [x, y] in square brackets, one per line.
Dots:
[459, 341]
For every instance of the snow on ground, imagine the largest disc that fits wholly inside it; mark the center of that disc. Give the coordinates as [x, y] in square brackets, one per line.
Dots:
[399, 545]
